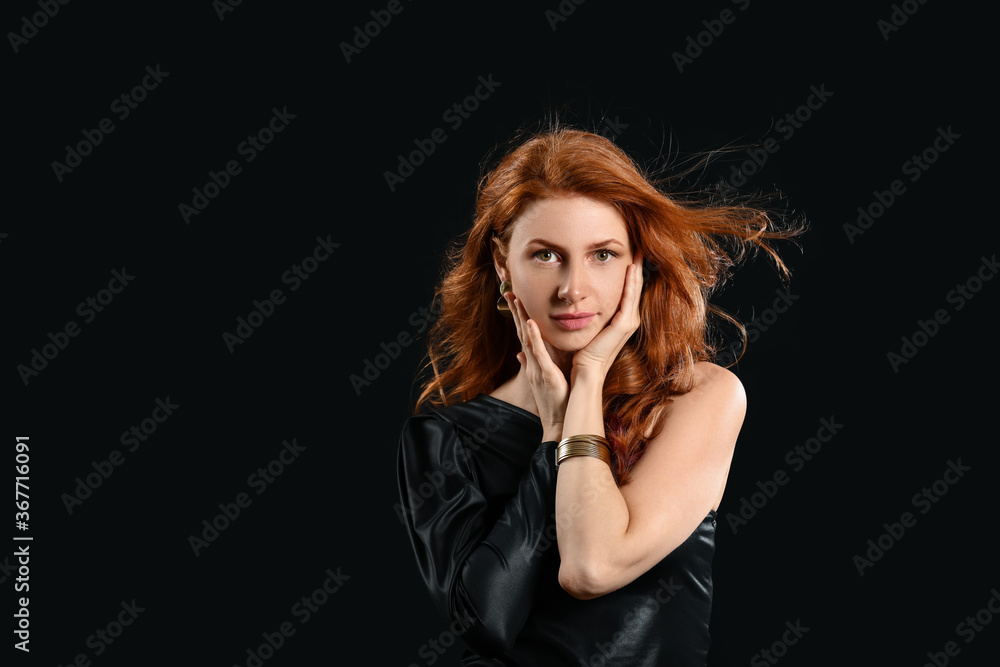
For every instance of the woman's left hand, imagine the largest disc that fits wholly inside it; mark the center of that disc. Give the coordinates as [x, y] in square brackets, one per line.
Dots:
[598, 356]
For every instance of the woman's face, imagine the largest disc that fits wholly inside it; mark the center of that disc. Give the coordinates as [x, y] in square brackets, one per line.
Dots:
[567, 261]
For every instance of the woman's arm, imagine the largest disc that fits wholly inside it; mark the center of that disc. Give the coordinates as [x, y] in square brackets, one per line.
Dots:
[609, 536]
[483, 576]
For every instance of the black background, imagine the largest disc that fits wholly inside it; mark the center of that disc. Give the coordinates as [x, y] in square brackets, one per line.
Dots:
[324, 176]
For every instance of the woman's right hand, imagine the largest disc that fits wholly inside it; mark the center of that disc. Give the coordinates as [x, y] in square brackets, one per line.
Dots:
[548, 383]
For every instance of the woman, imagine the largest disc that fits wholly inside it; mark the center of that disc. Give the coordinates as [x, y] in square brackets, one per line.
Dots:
[560, 485]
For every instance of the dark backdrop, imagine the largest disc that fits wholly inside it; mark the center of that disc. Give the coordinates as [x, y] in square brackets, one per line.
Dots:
[114, 518]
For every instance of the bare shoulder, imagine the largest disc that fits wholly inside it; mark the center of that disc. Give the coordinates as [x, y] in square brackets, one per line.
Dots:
[686, 465]
[715, 389]
[721, 383]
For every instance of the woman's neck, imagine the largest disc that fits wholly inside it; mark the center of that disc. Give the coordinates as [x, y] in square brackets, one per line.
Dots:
[517, 391]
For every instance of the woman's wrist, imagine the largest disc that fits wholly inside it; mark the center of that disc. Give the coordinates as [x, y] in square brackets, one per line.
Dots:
[586, 377]
[586, 386]
[552, 433]
[585, 410]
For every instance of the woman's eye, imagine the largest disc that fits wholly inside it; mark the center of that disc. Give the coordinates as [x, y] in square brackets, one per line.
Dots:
[547, 256]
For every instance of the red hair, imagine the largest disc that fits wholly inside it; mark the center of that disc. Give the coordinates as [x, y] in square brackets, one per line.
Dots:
[472, 347]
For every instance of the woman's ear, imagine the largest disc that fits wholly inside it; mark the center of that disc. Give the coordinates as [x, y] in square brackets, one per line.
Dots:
[499, 259]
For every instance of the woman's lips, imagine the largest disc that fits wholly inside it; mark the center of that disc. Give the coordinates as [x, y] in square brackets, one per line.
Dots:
[575, 322]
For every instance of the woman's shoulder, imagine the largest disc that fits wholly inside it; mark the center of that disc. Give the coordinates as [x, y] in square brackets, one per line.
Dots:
[430, 433]
[468, 414]
[438, 418]
[711, 377]
[452, 412]
[482, 422]
[712, 384]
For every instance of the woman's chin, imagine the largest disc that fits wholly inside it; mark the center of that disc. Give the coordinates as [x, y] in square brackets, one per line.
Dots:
[568, 341]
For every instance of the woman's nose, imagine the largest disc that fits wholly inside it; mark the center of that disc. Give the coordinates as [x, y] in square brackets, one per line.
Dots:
[575, 284]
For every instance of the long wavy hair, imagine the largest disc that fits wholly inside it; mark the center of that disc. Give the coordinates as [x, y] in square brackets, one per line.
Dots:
[689, 247]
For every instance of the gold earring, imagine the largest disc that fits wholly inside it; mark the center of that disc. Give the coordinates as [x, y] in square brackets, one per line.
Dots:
[502, 304]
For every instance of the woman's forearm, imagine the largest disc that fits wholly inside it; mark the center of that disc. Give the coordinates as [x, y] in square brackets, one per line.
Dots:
[591, 514]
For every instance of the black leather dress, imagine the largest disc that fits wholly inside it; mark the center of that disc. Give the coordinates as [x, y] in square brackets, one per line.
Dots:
[478, 490]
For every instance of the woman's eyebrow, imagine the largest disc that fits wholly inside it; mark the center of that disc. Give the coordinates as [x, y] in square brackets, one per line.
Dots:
[599, 244]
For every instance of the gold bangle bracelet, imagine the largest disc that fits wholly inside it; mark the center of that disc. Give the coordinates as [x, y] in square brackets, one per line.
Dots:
[582, 449]
[597, 439]
[583, 437]
[584, 445]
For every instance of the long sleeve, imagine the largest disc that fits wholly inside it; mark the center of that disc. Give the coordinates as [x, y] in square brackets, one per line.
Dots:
[486, 575]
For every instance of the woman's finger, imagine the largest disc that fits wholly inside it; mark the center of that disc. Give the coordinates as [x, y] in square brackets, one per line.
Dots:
[509, 296]
[538, 350]
[527, 342]
[549, 367]
[515, 311]
[626, 317]
[635, 293]
[630, 298]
